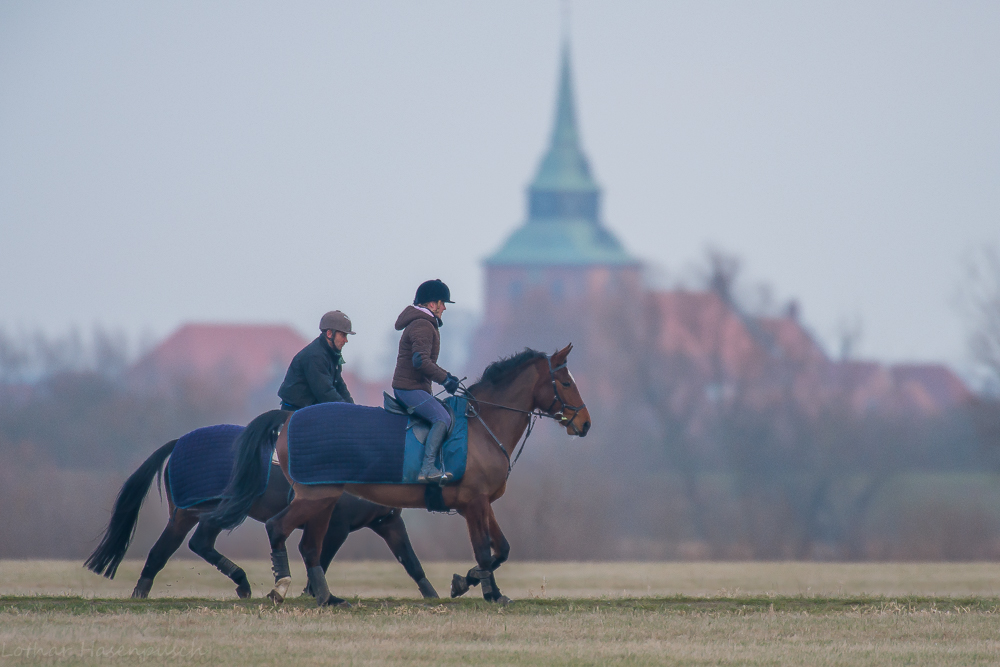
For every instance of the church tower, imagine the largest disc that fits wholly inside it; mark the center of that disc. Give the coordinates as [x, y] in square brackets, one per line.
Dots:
[562, 276]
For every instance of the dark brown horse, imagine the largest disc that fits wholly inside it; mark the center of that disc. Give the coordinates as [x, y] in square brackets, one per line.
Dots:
[501, 405]
[352, 514]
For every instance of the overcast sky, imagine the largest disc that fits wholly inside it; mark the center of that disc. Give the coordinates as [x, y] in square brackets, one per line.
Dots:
[264, 162]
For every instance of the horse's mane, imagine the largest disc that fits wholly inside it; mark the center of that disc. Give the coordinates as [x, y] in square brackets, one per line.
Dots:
[502, 371]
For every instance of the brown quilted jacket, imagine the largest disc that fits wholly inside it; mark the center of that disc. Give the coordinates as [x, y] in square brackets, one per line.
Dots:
[416, 363]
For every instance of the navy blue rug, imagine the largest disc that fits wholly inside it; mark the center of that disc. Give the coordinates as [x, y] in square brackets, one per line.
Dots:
[335, 443]
[341, 443]
[200, 465]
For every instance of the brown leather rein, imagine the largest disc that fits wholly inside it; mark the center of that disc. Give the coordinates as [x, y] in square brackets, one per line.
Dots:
[560, 416]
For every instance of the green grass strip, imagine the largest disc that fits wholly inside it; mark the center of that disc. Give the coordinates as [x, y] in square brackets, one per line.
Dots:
[678, 605]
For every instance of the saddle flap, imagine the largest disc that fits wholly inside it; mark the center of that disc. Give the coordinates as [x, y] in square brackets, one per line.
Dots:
[420, 428]
[390, 404]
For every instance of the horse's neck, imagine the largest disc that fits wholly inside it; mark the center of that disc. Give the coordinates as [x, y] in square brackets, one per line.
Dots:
[509, 425]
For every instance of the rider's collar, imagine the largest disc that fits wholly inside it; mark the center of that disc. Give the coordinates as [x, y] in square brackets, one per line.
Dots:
[436, 318]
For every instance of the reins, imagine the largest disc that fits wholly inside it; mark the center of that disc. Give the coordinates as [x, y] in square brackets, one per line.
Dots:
[473, 411]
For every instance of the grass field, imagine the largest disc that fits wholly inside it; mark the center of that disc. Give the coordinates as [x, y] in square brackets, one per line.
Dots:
[54, 612]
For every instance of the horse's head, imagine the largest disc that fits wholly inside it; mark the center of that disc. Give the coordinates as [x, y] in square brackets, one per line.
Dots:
[557, 394]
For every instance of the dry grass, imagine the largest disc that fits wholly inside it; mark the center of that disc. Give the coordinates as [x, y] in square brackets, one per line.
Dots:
[587, 614]
[195, 578]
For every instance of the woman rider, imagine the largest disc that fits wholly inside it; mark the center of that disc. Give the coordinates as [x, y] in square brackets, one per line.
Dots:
[416, 367]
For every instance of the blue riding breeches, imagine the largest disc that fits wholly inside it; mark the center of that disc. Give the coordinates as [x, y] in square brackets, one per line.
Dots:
[423, 404]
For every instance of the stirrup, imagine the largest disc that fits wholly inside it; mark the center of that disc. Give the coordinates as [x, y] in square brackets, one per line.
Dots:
[436, 477]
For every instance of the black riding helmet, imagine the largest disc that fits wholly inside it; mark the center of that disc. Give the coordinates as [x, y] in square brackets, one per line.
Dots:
[432, 290]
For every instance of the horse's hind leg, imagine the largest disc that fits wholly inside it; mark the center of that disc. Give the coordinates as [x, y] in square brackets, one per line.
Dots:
[392, 529]
[180, 524]
[337, 532]
[203, 544]
[311, 546]
[300, 512]
[279, 556]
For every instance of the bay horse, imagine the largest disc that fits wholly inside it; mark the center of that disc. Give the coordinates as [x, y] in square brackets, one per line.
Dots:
[502, 404]
[351, 514]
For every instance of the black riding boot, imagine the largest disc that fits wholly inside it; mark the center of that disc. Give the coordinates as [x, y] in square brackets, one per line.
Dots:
[429, 472]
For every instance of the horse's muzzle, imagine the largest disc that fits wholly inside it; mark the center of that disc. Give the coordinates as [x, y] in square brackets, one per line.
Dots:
[573, 429]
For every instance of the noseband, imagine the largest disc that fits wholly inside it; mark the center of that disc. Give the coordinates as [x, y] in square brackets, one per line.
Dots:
[560, 416]
[564, 407]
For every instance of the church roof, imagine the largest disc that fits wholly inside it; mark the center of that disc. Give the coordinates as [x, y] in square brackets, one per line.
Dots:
[563, 226]
[255, 353]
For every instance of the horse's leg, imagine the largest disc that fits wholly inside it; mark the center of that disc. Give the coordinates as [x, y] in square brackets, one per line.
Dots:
[277, 536]
[460, 584]
[392, 529]
[298, 513]
[501, 550]
[310, 546]
[337, 531]
[203, 544]
[477, 519]
[178, 526]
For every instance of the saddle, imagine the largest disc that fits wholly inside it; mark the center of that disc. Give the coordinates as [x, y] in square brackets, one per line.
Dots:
[419, 426]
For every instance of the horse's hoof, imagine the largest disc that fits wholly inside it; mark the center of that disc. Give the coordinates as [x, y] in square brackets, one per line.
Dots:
[280, 590]
[243, 592]
[142, 587]
[334, 601]
[459, 586]
[504, 600]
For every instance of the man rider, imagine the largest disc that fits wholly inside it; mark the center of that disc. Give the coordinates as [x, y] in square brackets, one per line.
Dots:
[416, 367]
[314, 376]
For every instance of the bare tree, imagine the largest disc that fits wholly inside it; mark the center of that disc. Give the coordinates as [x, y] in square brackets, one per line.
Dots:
[983, 305]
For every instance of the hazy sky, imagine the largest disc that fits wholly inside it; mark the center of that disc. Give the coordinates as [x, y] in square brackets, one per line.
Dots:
[171, 162]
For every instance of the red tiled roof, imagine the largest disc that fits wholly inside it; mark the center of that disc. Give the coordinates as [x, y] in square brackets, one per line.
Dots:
[793, 341]
[934, 387]
[256, 353]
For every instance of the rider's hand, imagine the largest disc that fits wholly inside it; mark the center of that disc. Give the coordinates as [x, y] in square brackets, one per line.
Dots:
[450, 384]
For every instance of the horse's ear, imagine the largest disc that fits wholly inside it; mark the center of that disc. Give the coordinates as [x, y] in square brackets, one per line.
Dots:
[560, 356]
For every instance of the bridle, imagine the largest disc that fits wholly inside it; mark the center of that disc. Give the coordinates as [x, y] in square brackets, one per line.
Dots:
[563, 405]
[559, 417]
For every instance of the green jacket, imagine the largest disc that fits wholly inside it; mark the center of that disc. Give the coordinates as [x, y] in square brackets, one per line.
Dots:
[314, 376]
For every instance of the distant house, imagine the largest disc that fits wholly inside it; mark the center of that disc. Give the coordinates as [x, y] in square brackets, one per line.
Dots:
[251, 354]
[248, 360]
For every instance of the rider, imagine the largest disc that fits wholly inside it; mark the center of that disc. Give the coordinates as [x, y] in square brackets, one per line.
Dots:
[416, 367]
[314, 376]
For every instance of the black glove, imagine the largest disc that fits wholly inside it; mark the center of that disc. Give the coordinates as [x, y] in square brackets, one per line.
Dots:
[450, 384]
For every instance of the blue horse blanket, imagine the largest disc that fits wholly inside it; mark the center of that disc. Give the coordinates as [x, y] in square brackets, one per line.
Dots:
[200, 465]
[341, 443]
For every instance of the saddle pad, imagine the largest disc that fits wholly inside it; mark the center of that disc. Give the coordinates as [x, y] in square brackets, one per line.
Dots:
[201, 463]
[454, 451]
[341, 443]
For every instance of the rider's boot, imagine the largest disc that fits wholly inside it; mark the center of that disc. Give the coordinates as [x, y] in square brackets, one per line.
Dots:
[429, 472]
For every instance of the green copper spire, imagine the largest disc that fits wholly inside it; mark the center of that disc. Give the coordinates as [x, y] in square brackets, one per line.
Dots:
[563, 226]
[564, 167]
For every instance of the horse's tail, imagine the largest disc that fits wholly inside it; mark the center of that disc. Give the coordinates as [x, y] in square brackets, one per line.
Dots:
[253, 454]
[121, 528]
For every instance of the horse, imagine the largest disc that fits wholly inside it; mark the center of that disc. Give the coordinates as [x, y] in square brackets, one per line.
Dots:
[352, 514]
[502, 405]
